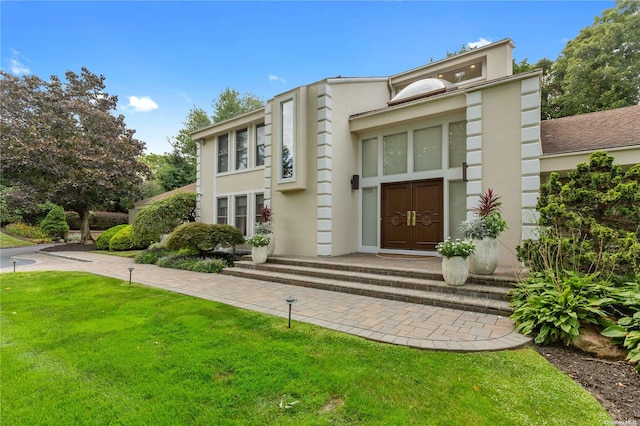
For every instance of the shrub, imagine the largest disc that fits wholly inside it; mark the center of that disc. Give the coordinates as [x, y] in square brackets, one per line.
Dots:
[122, 240]
[26, 231]
[488, 221]
[151, 255]
[590, 223]
[55, 223]
[552, 308]
[98, 221]
[191, 263]
[102, 242]
[163, 217]
[204, 238]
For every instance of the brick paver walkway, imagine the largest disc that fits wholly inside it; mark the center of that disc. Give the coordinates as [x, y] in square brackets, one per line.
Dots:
[383, 320]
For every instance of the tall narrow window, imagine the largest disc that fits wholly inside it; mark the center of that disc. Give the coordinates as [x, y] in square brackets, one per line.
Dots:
[259, 206]
[457, 143]
[427, 149]
[260, 145]
[223, 153]
[370, 157]
[241, 214]
[242, 149]
[287, 139]
[223, 210]
[394, 159]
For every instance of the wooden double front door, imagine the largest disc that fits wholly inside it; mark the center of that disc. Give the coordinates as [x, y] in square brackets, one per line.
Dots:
[412, 215]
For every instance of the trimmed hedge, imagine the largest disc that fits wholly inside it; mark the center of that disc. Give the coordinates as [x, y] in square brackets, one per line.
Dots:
[98, 221]
[26, 231]
[54, 224]
[123, 240]
[162, 217]
[102, 243]
[204, 237]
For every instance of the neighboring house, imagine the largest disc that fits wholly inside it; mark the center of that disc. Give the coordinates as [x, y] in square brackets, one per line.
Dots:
[389, 164]
[148, 201]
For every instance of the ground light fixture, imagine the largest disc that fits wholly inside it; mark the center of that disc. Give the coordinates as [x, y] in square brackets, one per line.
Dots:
[14, 264]
[290, 301]
[130, 268]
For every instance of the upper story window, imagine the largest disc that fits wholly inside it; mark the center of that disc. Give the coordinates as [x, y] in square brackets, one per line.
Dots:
[467, 72]
[287, 140]
[242, 149]
[223, 153]
[260, 145]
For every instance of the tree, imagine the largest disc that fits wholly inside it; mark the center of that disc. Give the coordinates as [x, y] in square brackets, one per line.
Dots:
[62, 142]
[230, 104]
[600, 68]
[55, 223]
[183, 144]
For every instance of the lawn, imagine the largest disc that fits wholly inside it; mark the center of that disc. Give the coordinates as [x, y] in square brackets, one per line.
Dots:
[84, 349]
[7, 241]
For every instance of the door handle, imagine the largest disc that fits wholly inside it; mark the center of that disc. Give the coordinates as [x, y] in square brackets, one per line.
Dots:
[414, 218]
[408, 218]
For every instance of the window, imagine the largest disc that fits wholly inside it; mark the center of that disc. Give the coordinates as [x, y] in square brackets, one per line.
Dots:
[223, 153]
[457, 143]
[287, 139]
[241, 214]
[260, 145]
[427, 149]
[242, 149]
[370, 157]
[370, 216]
[259, 206]
[467, 72]
[394, 154]
[223, 210]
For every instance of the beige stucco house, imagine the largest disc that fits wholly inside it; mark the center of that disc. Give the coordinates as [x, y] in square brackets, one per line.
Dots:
[390, 164]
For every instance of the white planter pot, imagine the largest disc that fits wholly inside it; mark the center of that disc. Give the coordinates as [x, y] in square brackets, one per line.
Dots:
[485, 258]
[455, 270]
[272, 244]
[259, 254]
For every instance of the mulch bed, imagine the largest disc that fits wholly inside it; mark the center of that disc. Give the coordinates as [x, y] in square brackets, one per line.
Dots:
[615, 384]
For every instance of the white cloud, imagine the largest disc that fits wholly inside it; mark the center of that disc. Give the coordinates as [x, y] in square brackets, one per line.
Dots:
[185, 97]
[16, 65]
[143, 104]
[276, 78]
[481, 42]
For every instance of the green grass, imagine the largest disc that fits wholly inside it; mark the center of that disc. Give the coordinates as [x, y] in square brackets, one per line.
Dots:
[7, 241]
[126, 253]
[83, 349]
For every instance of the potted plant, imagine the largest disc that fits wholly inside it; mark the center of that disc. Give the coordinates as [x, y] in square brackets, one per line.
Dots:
[455, 265]
[484, 228]
[259, 249]
[265, 227]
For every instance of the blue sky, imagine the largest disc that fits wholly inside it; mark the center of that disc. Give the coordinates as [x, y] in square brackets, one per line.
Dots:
[162, 58]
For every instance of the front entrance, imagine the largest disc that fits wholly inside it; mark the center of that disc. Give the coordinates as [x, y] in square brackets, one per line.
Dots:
[412, 215]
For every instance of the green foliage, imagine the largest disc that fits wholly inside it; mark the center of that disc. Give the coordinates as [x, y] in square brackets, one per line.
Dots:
[488, 221]
[176, 172]
[190, 263]
[627, 333]
[457, 247]
[55, 223]
[553, 307]
[230, 103]
[162, 217]
[590, 223]
[151, 255]
[27, 231]
[122, 240]
[598, 70]
[259, 240]
[98, 221]
[203, 237]
[102, 243]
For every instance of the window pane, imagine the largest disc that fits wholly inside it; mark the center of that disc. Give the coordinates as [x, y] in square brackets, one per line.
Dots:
[457, 207]
[457, 143]
[287, 142]
[260, 145]
[370, 157]
[223, 153]
[461, 74]
[427, 149]
[370, 217]
[395, 154]
[241, 149]
[259, 206]
[241, 214]
[222, 210]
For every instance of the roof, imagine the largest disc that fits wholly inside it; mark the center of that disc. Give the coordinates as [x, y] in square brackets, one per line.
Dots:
[187, 188]
[614, 128]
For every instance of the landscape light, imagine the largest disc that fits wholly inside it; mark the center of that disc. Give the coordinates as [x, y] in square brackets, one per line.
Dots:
[290, 301]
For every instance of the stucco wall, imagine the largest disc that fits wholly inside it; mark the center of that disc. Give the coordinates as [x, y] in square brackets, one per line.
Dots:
[207, 162]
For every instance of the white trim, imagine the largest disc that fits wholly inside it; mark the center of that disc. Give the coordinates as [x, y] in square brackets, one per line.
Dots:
[199, 180]
[530, 154]
[474, 149]
[324, 199]
[294, 121]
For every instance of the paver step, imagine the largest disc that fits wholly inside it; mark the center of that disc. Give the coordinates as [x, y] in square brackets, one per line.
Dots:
[425, 297]
[480, 291]
[491, 280]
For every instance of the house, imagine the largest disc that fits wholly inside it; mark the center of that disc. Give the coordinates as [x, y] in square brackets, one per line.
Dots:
[384, 164]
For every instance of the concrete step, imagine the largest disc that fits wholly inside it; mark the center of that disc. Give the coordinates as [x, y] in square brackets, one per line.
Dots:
[470, 297]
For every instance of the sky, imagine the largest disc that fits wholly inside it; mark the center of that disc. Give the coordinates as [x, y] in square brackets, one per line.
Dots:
[162, 58]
